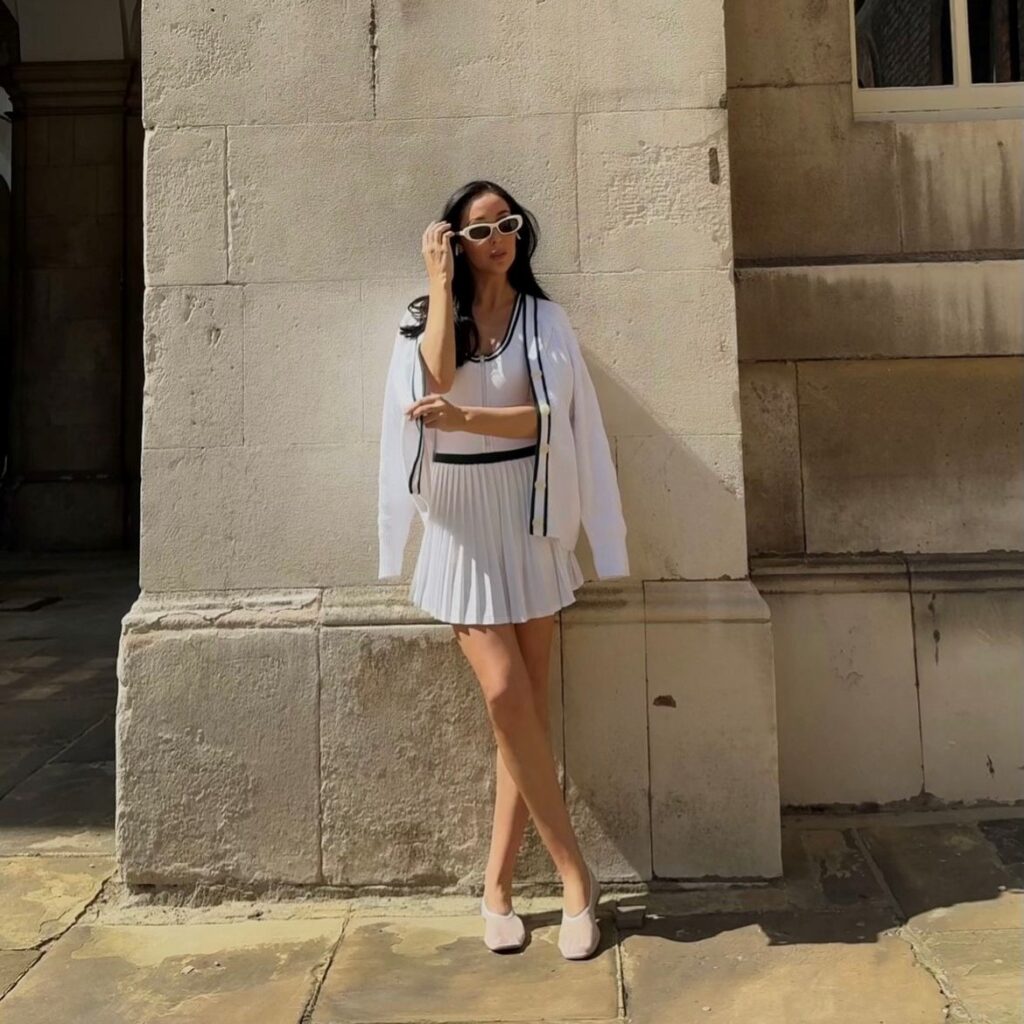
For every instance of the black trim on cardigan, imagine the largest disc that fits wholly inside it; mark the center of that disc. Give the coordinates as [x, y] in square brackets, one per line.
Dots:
[416, 464]
[543, 381]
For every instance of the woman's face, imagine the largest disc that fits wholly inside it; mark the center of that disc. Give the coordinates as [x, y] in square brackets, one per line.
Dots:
[495, 255]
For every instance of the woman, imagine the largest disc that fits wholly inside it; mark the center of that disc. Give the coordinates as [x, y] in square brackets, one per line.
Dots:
[507, 456]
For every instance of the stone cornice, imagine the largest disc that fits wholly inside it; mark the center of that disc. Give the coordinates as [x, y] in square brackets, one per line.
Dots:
[69, 87]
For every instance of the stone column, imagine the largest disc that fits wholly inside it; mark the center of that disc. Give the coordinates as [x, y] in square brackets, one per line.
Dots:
[282, 716]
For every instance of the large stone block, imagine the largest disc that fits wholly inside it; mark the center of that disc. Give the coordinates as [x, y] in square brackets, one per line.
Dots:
[846, 683]
[917, 455]
[772, 486]
[302, 364]
[806, 180]
[969, 628]
[185, 222]
[787, 42]
[217, 749]
[408, 763]
[961, 185]
[606, 752]
[653, 190]
[295, 515]
[235, 63]
[660, 347]
[350, 221]
[713, 740]
[547, 58]
[682, 498]
[881, 309]
[193, 362]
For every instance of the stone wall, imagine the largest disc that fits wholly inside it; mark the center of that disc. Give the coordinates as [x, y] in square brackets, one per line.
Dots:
[294, 155]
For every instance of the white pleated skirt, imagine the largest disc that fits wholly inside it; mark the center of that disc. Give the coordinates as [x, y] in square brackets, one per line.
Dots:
[478, 564]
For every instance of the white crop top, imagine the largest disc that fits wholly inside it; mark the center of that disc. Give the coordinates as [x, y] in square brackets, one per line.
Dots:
[500, 378]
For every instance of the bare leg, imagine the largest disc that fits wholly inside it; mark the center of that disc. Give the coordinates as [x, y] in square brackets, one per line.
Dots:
[493, 653]
[511, 814]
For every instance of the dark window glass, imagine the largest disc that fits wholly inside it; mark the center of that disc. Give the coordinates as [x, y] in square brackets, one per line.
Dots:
[996, 33]
[903, 43]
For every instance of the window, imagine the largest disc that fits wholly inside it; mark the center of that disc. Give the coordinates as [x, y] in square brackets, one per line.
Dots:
[929, 59]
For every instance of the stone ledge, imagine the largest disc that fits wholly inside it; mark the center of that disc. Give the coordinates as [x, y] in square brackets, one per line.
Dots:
[876, 573]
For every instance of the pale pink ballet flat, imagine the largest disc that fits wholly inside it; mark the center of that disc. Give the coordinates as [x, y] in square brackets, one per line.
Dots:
[502, 932]
[580, 933]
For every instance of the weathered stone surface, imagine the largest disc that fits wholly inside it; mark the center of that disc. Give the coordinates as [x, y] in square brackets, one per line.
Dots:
[330, 225]
[960, 184]
[19, 760]
[193, 361]
[847, 696]
[982, 967]
[952, 434]
[302, 359]
[293, 516]
[711, 709]
[772, 488]
[666, 359]
[970, 664]
[397, 703]
[605, 711]
[682, 499]
[42, 896]
[880, 309]
[653, 190]
[185, 222]
[803, 174]
[837, 968]
[946, 877]
[232, 63]
[61, 808]
[13, 964]
[440, 970]
[179, 974]
[824, 869]
[782, 42]
[217, 756]
[541, 58]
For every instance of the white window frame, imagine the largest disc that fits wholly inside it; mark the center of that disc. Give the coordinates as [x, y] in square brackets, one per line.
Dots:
[962, 100]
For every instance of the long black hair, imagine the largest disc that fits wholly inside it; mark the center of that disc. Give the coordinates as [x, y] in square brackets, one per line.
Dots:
[520, 273]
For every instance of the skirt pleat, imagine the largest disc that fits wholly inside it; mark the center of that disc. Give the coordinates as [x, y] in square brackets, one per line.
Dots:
[478, 563]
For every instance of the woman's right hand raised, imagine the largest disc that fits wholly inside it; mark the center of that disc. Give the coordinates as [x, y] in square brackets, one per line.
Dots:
[437, 250]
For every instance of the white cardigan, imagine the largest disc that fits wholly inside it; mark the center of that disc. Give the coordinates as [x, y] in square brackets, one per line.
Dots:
[574, 476]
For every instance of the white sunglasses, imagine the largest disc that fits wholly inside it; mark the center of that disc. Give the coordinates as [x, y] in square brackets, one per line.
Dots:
[480, 231]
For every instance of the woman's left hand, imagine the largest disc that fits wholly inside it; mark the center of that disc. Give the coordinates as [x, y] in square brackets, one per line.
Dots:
[436, 411]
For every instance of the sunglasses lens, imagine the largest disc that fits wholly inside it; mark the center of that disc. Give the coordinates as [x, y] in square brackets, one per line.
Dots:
[508, 225]
[478, 232]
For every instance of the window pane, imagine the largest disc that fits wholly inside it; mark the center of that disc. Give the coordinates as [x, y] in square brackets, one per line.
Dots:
[996, 30]
[903, 43]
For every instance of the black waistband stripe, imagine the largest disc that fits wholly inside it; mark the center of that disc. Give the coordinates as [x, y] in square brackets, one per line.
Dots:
[500, 455]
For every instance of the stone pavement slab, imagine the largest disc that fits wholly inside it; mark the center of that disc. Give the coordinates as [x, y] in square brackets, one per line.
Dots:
[179, 974]
[984, 970]
[42, 896]
[777, 968]
[946, 877]
[61, 808]
[438, 969]
[13, 964]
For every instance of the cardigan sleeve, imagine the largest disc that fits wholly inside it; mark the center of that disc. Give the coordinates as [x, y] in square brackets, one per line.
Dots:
[395, 505]
[600, 501]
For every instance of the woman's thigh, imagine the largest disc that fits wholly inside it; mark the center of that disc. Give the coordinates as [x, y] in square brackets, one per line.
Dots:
[494, 655]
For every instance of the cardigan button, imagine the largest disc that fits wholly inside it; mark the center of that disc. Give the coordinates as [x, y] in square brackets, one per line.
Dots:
[539, 485]
[545, 408]
[545, 447]
[536, 525]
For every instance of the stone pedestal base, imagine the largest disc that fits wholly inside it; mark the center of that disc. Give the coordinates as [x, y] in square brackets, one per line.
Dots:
[338, 738]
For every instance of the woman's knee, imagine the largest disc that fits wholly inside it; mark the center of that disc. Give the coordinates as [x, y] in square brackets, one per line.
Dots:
[509, 697]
